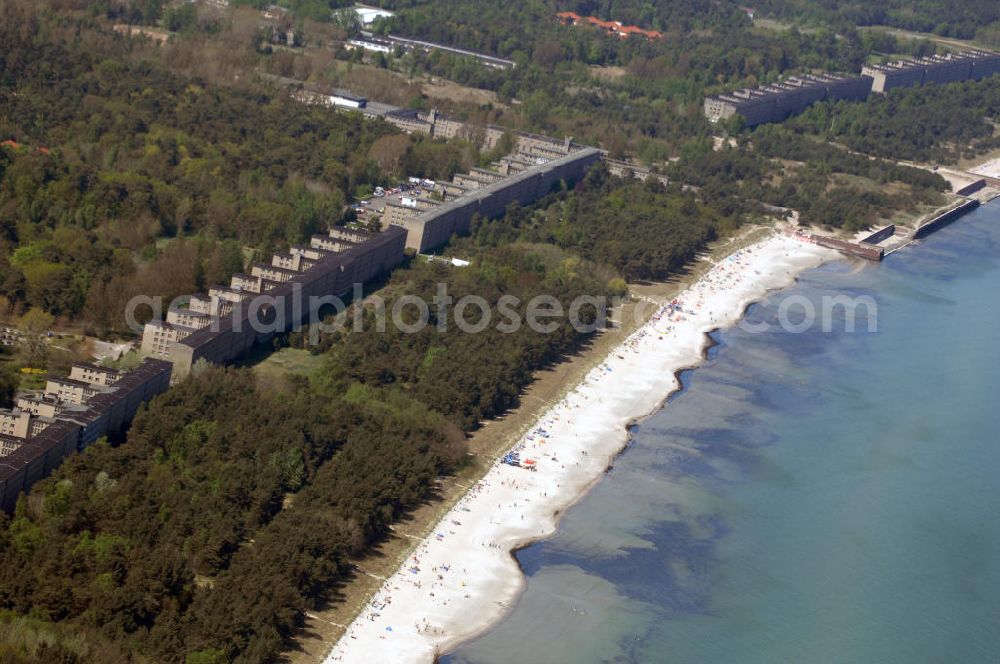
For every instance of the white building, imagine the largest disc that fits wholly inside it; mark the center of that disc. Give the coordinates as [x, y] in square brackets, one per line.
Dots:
[373, 46]
[345, 100]
[368, 15]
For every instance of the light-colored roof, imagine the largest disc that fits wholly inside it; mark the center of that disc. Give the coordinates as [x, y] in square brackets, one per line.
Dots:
[369, 14]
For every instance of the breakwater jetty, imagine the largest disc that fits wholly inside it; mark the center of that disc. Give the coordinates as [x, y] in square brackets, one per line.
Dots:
[866, 251]
[879, 235]
[945, 218]
[871, 247]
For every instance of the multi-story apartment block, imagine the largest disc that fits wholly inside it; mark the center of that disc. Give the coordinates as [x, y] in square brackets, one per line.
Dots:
[71, 390]
[186, 317]
[355, 236]
[397, 214]
[247, 283]
[94, 374]
[214, 327]
[16, 423]
[334, 262]
[38, 425]
[452, 189]
[298, 259]
[158, 337]
[332, 244]
[9, 443]
[488, 193]
[267, 272]
[62, 396]
[471, 181]
[43, 429]
[42, 405]
[934, 69]
[352, 257]
[409, 120]
[778, 101]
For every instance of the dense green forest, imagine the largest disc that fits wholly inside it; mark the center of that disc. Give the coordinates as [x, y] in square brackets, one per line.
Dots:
[948, 18]
[650, 91]
[145, 549]
[932, 123]
[230, 509]
[828, 185]
[645, 230]
[635, 95]
[642, 230]
[154, 181]
[434, 365]
[109, 152]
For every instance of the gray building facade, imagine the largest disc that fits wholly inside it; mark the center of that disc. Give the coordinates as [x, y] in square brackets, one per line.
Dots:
[964, 66]
[779, 101]
[435, 226]
[288, 304]
[108, 413]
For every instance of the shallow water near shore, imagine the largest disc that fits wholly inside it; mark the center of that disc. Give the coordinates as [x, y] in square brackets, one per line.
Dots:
[815, 497]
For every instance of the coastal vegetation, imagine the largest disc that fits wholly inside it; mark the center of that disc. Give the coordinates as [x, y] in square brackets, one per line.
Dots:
[146, 548]
[828, 185]
[650, 231]
[469, 377]
[931, 123]
[966, 19]
[642, 230]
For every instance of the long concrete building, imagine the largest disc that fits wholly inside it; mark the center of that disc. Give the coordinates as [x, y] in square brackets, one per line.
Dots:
[488, 194]
[779, 101]
[272, 299]
[964, 66]
[53, 425]
[223, 324]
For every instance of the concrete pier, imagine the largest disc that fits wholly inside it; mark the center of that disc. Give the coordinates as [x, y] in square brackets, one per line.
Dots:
[945, 218]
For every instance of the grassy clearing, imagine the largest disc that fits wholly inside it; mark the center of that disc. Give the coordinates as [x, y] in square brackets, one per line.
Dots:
[279, 366]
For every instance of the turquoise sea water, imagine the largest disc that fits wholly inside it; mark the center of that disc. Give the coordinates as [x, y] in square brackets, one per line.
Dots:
[815, 497]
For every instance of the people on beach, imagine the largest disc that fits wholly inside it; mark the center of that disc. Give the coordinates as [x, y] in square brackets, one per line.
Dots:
[432, 594]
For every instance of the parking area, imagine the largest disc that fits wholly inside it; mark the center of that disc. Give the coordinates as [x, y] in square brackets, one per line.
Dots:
[408, 189]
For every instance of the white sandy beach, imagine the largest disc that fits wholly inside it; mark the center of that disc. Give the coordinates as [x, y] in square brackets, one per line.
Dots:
[463, 578]
[990, 169]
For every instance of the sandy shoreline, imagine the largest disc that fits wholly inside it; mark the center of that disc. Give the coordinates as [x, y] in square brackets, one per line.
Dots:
[463, 578]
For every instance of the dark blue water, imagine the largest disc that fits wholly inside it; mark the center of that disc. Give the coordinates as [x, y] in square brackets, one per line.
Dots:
[814, 497]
